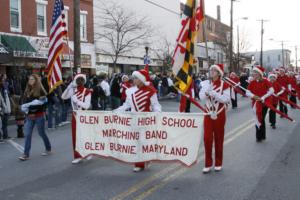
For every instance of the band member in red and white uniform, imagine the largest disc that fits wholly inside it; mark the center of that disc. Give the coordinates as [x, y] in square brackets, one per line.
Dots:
[125, 85]
[142, 97]
[298, 86]
[233, 94]
[216, 94]
[283, 80]
[80, 100]
[260, 90]
[292, 86]
[278, 90]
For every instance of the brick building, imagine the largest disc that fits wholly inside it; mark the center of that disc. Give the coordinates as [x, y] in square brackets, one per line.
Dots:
[24, 33]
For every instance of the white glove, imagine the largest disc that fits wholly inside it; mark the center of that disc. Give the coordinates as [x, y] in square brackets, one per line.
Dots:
[74, 99]
[72, 85]
[212, 93]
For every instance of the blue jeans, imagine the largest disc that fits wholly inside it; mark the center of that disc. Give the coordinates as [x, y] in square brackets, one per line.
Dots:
[4, 119]
[28, 129]
[53, 115]
[64, 113]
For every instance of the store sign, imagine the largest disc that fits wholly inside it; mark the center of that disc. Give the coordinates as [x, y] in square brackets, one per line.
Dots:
[102, 68]
[86, 61]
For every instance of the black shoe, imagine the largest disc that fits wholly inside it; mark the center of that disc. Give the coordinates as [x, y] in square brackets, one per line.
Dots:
[7, 138]
[1, 140]
[258, 140]
[273, 127]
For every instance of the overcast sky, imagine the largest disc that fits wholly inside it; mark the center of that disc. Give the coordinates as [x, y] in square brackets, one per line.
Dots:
[283, 25]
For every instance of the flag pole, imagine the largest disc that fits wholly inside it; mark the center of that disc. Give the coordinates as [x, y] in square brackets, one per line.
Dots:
[204, 32]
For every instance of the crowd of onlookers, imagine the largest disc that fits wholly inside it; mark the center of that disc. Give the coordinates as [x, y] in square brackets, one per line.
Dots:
[108, 94]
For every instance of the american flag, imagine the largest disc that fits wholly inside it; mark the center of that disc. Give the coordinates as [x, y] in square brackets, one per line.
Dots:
[57, 32]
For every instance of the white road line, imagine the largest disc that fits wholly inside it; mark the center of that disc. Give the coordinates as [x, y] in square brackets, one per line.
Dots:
[16, 145]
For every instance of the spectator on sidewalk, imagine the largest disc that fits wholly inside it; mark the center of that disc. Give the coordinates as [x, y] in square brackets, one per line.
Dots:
[65, 103]
[54, 108]
[19, 115]
[97, 94]
[106, 88]
[5, 104]
[115, 91]
[35, 98]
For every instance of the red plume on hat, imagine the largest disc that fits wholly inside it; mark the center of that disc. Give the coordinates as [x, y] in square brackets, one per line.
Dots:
[259, 69]
[219, 68]
[142, 75]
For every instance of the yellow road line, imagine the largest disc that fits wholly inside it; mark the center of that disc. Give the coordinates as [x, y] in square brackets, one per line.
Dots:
[167, 170]
[183, 170]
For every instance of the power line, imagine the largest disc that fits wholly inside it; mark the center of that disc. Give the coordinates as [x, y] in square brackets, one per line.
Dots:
[162, 7]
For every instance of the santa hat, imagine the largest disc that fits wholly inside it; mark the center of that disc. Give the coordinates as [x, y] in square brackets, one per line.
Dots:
[272, 75]
[219, 68]
[282, 69]
[142, 75]
[125, 77]
[259, 69]
[80, 76]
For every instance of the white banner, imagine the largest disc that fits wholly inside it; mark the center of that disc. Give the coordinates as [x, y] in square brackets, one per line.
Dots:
[139, 137]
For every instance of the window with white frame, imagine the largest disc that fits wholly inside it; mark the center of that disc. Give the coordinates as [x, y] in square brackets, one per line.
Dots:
[83, 26]
[41, 19]
[15, 15]
[65, 12]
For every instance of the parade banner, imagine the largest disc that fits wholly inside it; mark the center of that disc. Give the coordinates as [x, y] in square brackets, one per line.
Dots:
[139, 137]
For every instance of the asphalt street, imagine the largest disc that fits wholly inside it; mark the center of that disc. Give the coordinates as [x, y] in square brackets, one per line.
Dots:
[268, 170]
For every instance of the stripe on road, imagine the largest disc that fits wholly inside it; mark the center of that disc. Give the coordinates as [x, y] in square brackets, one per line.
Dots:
[16, 145]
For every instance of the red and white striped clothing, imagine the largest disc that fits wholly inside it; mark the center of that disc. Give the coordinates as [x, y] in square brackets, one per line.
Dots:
[80, 97]
[141, 100]
[219, 95]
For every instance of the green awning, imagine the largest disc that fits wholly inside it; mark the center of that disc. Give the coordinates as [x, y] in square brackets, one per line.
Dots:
[17, 43]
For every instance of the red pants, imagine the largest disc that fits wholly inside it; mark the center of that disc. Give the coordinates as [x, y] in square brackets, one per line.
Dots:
[76, 154]
[141, 165]
[214, 132]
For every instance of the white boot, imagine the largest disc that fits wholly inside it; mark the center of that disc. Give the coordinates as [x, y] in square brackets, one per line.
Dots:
[206, 170]
[137, 169]
[77, 160]
[219, 168]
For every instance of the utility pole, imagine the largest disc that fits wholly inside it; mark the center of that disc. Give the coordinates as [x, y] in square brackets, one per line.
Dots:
[238, 48]
[231, 38]
[77, 48]
[296, 51]
[282, 48]
[262, 40]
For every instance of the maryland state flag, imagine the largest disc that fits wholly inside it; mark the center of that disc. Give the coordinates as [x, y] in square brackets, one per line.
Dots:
[183, 57]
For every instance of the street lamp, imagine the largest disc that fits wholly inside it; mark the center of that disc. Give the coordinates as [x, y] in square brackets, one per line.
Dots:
[238, 42]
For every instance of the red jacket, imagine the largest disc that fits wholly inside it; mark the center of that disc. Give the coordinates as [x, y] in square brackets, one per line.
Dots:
[260, 88]
[277, 88]
[124, 87]
[284, 82]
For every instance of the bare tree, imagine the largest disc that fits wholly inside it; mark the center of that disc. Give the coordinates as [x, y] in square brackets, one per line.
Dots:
[245, 43]
[122, 30]
[164, 51]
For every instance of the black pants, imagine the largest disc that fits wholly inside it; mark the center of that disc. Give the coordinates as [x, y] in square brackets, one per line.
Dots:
[234, 101]
[283, 107]
[188, 106]
[261, 131]
[272, 116]
[293, 99]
